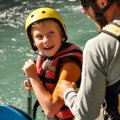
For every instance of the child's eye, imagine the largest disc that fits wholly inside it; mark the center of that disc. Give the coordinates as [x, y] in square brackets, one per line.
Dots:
[39, 37]
[51, 33]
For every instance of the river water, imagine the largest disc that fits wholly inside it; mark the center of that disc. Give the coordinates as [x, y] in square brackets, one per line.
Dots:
[14, 47]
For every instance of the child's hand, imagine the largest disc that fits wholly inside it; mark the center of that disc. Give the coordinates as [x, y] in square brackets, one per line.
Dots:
[27, 85]
[30, 69]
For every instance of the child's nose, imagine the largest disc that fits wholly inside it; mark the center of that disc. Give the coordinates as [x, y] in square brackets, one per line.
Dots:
[45, 39]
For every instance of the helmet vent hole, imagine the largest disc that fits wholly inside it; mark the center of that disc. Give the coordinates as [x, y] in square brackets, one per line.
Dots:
[32, 16]
[43, 12]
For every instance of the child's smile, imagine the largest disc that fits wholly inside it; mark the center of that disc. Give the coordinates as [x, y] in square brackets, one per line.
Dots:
[48, 47]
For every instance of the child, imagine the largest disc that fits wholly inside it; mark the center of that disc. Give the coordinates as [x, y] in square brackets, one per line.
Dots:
[57, 60]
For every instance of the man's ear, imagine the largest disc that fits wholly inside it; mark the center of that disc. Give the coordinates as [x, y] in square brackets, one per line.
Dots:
[102, 3]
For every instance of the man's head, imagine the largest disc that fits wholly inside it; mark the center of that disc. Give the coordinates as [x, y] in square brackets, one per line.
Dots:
[100, 10]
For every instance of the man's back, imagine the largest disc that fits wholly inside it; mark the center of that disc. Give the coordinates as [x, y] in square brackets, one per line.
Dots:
[102, 67]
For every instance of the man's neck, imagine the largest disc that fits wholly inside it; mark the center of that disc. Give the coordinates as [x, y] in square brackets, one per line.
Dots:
[112, 13]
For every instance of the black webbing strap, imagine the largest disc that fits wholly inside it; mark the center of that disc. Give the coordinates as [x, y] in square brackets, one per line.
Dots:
[99, 13]
[35, 109]
[110, 32]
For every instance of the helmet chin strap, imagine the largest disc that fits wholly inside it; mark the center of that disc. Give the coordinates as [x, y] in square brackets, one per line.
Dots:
[99, 13]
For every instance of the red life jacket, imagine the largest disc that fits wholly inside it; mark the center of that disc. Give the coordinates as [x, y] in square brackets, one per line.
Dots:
[49, 69]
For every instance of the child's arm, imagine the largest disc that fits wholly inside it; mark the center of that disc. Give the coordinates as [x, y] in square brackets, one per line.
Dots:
[50, 104]
[69, 72]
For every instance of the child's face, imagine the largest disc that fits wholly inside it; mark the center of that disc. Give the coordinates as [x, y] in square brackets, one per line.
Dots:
[47, 37]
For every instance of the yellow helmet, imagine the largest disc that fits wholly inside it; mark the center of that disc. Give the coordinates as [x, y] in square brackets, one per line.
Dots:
[42, 14]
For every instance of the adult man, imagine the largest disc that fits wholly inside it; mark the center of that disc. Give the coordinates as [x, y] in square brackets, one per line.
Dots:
[101, 65]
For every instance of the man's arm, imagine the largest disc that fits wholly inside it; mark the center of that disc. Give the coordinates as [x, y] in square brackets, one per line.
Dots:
[86, 103]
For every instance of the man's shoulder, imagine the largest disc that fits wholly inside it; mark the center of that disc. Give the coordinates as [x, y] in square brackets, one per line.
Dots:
[113, 29]
[96, 40]
[105, 39]
[100, 42]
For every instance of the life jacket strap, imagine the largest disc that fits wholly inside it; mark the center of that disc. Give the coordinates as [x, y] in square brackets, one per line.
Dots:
[113, 29]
